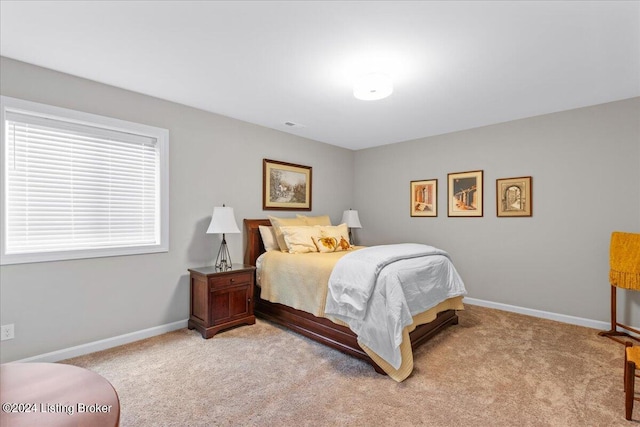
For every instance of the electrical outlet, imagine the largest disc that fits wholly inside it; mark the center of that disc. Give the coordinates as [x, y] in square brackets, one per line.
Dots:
[6, 332]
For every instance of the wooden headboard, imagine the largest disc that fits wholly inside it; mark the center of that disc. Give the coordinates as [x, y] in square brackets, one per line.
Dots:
[254, 246]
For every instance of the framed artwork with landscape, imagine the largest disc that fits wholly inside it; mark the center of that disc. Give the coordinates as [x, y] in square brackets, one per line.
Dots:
[513, 196]
[465, 194]
[424, 198]
[285, 186]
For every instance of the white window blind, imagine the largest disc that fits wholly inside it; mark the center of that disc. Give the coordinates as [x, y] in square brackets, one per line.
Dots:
[79, 187]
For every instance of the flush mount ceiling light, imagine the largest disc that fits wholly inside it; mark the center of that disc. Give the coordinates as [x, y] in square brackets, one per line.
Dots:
[372, 86]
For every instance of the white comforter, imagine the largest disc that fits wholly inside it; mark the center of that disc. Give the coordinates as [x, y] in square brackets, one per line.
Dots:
[378, 290]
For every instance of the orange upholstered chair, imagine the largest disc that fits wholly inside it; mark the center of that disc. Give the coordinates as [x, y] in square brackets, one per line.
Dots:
[631, 361]
[624, 272]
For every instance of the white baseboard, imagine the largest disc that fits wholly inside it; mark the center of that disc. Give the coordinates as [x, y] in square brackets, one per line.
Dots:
[580, 321]
[80, 350]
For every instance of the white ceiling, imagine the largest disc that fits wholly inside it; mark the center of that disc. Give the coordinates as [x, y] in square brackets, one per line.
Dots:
[455, 65]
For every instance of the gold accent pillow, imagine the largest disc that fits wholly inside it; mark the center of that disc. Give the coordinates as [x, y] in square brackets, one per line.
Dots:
[316, 220]
[299, 239]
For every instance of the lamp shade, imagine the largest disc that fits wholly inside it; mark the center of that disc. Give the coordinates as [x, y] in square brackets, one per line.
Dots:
[223, 221]
[350, 218]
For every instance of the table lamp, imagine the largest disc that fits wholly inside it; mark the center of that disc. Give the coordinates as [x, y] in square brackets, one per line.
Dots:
[350, 218]
[222, 222]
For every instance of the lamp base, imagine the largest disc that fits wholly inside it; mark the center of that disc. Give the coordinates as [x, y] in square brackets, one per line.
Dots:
[223, 260]
[352, 239]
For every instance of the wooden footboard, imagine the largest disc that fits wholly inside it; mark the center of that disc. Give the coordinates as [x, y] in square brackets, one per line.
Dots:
[320, 329]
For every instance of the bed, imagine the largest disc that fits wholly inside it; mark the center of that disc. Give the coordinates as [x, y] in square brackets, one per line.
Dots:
[332, 334]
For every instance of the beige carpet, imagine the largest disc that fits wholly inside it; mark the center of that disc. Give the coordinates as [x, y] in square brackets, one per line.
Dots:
[493, 369]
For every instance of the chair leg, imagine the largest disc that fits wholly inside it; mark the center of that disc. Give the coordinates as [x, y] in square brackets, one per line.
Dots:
[624, 378]
[629, 381]
[613, 333]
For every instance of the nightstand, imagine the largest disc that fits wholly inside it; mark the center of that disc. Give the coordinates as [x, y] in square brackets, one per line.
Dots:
[221, 299]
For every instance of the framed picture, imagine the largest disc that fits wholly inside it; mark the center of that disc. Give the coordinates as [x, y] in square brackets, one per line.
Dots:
[513, 196]
[465, 193]
[285, 186]
[424, 198]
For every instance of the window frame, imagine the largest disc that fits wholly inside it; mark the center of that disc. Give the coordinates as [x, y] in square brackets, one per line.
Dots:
[94, 120]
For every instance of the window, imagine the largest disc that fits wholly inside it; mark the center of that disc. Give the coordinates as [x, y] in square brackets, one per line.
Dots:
[78, 185]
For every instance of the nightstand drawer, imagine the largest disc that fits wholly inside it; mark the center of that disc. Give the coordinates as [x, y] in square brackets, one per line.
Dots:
[229, 280]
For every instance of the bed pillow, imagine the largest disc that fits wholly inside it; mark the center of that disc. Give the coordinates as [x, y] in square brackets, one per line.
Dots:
[299, 239]
[333, 238]
[283, 222]
[268, 238]
[316, 220]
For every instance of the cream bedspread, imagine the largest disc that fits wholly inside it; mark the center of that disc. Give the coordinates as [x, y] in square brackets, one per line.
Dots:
[308, 274]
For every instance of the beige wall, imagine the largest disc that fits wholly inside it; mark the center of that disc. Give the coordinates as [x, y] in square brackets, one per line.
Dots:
[585, 165]
[213, 160]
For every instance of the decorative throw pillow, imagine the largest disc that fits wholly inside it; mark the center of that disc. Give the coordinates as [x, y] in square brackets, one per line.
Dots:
[325, 244]
[282, 222]
[316, 220]
[268, 238]
[339, 233]
[299, 239]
